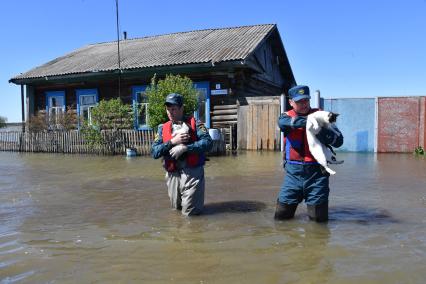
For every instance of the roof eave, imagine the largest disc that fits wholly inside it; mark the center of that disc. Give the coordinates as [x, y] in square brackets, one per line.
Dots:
[97, 75]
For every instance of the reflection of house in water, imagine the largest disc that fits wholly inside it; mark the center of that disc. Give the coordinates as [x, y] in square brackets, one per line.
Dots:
[240, 73]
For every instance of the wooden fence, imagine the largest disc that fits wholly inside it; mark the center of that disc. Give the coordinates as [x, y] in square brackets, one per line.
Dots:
[73, 142]
[257, 127]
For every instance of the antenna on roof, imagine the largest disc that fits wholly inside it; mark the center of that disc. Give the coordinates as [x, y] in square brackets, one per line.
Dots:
[118, 50]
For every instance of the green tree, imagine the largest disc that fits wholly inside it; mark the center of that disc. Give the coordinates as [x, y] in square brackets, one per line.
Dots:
[3, 121]
[112, 114]
[107, 115]
[158, 91]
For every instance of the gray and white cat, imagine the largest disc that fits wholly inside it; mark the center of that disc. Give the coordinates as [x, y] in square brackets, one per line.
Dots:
[322, 153]
[180, 128]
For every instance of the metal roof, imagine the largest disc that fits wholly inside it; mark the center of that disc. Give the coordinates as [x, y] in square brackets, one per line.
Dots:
[194, 47]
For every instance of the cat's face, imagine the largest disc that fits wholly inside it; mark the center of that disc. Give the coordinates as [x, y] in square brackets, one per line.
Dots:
[332, 117]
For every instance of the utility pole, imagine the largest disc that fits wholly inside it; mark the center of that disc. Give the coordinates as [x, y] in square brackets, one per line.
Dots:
[118, 50]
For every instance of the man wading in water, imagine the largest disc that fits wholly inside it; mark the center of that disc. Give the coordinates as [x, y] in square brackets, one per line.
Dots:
[182, 145]
[305, 178]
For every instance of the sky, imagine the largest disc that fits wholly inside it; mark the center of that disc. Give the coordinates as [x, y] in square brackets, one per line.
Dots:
[344, 48]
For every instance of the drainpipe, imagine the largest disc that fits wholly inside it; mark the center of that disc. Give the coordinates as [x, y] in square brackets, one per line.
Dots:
[22, 108]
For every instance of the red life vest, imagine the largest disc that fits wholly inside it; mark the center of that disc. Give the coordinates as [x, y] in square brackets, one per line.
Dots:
[192, 159]
[296, 144]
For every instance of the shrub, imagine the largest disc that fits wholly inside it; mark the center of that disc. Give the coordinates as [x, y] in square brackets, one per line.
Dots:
[107, 115]
[419, 150]
[112, 114]
[38, 122]
[158, 91]
[92, 135]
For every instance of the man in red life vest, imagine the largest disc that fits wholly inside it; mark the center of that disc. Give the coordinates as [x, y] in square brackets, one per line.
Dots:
[305, 179]
[183, 156]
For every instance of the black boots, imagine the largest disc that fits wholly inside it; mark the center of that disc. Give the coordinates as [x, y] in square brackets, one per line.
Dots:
[318, 213]
[284, 211]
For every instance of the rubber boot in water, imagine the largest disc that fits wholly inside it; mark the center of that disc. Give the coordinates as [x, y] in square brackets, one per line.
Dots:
[318, 213]
[284, 211]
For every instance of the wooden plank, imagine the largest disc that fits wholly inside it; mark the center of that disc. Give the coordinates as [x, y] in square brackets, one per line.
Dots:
[271, 127]
[233, 117]
[255, 128]
[267, 126]
[259, 127]
[218, 107]
[224, 111]
[249, 126]
[242, 128]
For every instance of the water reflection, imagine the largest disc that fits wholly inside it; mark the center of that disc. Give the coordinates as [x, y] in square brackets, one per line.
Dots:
[233, 206]
[366, 216]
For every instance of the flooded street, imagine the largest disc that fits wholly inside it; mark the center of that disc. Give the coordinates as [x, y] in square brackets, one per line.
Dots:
[94, 219]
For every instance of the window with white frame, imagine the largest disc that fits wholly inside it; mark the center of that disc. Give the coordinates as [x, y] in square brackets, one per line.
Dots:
[140, 106]
[142, 109]
[202, 96]
[87, 99]
[87, 102]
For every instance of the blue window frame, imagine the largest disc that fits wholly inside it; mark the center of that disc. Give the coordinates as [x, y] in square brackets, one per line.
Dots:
[55, 105]
[203, 112]
[86, 100]
[140, 107]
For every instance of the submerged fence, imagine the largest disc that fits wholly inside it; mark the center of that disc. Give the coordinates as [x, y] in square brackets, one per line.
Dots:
[73, 142]
[114, 142]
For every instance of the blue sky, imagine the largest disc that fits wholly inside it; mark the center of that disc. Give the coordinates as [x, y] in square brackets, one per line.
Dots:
[352, 48]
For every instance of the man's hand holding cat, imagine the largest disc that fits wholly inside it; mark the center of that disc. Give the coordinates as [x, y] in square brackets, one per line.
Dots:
[179, 138]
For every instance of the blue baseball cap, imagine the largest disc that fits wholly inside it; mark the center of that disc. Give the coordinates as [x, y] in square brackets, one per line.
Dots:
[174, 99]
[299, 92]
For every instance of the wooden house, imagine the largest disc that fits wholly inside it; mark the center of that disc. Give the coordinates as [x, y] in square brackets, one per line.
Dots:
[232, 68]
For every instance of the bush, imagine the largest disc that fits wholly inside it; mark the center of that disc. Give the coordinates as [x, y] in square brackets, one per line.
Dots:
[61, 121]
[158, 91]
[91, 134]
[112, 114]
[107, 115]
[3, 121]
[37, 122]
[419, 151]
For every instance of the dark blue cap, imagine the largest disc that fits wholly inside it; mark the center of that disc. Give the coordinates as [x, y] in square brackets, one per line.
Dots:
[299, 92]
[174, 99]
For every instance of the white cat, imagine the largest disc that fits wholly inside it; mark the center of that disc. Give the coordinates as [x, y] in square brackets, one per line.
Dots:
[323, 154]
[180, 128]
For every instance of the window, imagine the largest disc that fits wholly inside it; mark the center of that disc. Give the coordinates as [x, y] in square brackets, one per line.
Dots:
[87, 99]
[203, 112]
[55, 106]
[140, 107]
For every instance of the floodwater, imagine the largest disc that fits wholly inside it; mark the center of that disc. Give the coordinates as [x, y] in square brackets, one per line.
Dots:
[94, 219]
